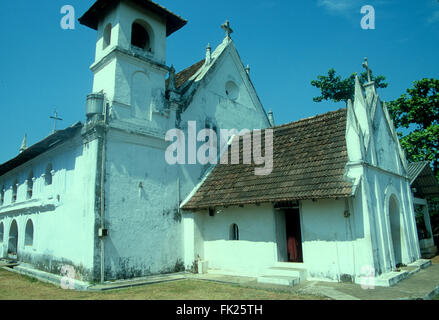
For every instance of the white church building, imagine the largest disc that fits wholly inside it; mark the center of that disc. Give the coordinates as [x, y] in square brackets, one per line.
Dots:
[101, 198]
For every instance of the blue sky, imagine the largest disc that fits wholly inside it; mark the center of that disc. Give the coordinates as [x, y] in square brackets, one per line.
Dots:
[286, 43]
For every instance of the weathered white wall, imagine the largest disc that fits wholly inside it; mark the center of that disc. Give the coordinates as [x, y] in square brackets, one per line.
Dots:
[62, 213]
[256, 248]
[377, 166]
[327, 239]
[122, 18]
[210, 102]
[145, 232]
[134, 84]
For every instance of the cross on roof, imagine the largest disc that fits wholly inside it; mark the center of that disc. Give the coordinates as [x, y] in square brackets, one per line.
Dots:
[366, 66]
[227, 29]
[55, 118]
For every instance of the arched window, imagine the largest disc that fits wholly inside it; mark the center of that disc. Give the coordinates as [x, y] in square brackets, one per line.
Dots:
[107, 36]
[30, 185]
[2, 231]
[48, 175]
[2, 195]
[13, 238]
[29, 235]
[234, 232]
[140, 37]
[14, 191]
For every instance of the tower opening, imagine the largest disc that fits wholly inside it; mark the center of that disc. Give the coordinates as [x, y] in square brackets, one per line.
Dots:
[107, 36]
[140, 37]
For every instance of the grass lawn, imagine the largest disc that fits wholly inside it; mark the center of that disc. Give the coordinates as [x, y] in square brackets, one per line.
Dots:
[18, 287]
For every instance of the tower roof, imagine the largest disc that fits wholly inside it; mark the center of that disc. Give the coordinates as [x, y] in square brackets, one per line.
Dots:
[100, 7]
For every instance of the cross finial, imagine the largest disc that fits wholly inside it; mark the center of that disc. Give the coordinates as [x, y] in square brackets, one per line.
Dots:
[227, 29]
[55, 118]
[366, 66]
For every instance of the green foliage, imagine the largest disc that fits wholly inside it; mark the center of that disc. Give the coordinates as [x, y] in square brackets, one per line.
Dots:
[336, 89]
[418, 112]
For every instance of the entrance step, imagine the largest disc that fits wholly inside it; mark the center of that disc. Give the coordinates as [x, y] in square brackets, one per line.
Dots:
[283, 274]
[279, 280]
[286, 271]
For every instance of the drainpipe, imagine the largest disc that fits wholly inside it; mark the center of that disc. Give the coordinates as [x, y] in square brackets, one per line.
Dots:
[102, 231]
[178, 195]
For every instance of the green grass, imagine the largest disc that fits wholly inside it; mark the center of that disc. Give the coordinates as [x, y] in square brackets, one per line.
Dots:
[18, 287]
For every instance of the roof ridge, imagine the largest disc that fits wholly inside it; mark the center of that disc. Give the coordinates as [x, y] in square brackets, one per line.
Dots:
[316, 117]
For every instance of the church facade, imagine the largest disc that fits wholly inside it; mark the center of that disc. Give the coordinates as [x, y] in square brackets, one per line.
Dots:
[100, 197]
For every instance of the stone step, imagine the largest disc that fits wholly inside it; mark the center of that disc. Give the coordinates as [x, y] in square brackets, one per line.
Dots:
[279, 280]
[286, 271]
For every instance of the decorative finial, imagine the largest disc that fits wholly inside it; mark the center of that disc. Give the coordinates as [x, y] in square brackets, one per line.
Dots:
[227, 29]
[23, 144]
[271, 117]
[366, 66]
[55, 118]
[247, 69]
[208, 53]
[171, 81]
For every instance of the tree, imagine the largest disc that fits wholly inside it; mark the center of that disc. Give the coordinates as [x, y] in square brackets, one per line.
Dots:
[335, 89]
[417, 112]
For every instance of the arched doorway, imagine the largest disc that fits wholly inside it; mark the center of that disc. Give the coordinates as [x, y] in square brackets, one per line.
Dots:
[13, 239]
[396, 229]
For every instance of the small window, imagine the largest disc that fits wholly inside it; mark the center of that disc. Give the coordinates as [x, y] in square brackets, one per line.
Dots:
[234, 232]
[48, 175]
[140, 37]
[2, 195]
[29, 235]
[107, 36]
[2, 231]
[30, 185]
[14, 191]
[232, 90]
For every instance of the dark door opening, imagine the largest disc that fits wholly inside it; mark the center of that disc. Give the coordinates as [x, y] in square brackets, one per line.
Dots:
[294, 235]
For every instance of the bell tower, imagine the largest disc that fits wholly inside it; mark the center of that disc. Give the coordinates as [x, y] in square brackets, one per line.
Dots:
[130, 61]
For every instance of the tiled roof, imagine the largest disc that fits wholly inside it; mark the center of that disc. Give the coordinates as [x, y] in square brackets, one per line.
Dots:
[186, 74]
[100, 7]
[48, 143]
[423, 180]
[415, 168]
[309, 159]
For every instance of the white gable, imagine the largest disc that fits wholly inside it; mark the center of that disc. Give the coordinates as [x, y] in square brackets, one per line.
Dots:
[223, 93]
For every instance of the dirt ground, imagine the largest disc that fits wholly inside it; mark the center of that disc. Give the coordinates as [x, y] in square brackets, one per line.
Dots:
[18, 287]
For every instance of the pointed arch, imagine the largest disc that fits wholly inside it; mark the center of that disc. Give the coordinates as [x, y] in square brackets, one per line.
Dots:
[30, 185]
[2, 231]
[107, 36]
[29, 233]
[48, 174]
[13, 238]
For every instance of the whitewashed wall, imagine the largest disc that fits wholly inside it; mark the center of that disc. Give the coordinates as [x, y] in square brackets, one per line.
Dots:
[256, 249]
[377, 167]
[62, 213]
[328, 244]
[211, 102]
[145, 234]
